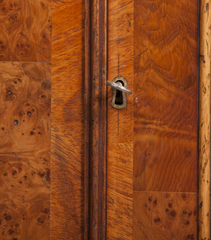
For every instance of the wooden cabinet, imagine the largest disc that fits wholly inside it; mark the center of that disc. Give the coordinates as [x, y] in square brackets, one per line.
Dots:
[152, 144]
[74, 167]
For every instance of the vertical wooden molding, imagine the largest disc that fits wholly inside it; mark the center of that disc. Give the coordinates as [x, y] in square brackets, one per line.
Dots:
[95, 119]
[87, 111]
[204, 121]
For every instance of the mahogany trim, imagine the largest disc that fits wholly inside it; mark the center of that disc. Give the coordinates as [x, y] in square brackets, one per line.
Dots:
[95, 119]
[204, 121]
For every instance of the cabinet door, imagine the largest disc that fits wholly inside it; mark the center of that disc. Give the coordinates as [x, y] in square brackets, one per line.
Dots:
[79, 158]
[150, 158]
[152, 144]
[41, 119]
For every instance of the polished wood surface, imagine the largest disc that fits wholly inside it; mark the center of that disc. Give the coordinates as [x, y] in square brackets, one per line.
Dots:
[98, 120]
[165, 123]
[163, 215]
[120, 123]
[87, 117]
[25, 100]
[204, 122]
[152, 144]
[25, 119]
[66, 181]
[25, 106]
[67, 126]
[25, 150]
[25, 30]
[165, 145]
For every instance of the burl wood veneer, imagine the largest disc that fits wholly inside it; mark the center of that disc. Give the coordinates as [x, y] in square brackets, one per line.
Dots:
[25, 108]
[25, 30]
[25, 90]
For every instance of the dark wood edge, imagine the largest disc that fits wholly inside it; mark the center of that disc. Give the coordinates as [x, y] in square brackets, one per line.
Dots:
[95, 119]
[87, 112]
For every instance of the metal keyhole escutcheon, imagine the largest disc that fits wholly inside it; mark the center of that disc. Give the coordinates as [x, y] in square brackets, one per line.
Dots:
[119, 91]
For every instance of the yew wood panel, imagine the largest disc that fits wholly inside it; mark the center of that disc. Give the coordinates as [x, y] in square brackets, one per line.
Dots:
[25, 30]
[67, 127]
[24, 150]
[165, 119]
[165, 145]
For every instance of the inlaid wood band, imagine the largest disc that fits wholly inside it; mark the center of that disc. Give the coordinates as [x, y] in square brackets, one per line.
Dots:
[204, 122]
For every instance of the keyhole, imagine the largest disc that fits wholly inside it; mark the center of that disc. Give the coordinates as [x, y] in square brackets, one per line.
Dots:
[119, 95]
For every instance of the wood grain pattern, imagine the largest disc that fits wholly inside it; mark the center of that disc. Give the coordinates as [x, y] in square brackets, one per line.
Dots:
[67, 127]
[25, 147]
[165, 119]
[25, 90]
[98, 121]
[120, 123]
[66, 181]
[25, 30]
[67, 60]
[25, 192]
[163, 215]
[87, 117]
[163, 48]
[204, 122]
[165, 155]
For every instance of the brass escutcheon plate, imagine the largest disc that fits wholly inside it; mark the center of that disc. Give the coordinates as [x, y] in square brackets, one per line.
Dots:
[114, 94]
